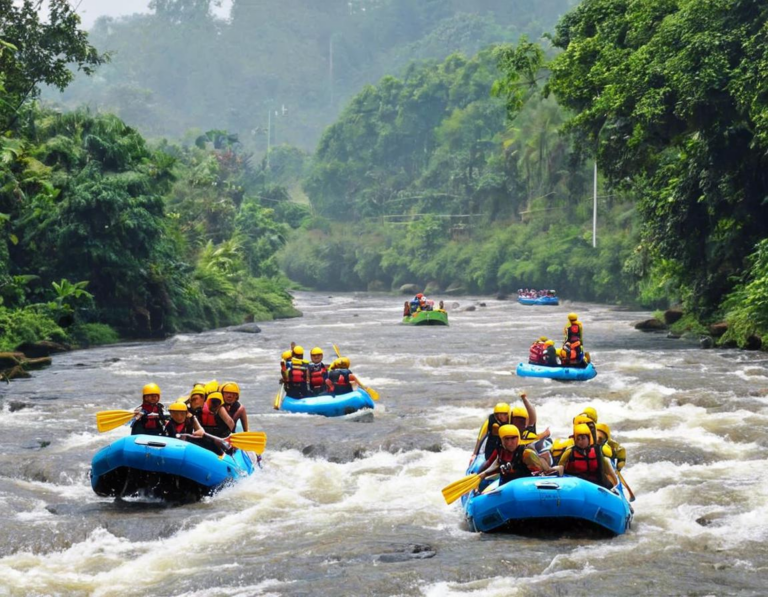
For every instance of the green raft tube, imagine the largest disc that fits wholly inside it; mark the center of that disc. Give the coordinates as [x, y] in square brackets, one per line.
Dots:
[435, 317]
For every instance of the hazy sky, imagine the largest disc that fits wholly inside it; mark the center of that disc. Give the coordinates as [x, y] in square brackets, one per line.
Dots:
[90, 10]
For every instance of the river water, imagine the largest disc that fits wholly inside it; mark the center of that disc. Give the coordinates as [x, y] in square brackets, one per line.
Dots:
[352, 506]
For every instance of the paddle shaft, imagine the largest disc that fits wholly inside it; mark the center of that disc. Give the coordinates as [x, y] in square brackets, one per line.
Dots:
[624, 483]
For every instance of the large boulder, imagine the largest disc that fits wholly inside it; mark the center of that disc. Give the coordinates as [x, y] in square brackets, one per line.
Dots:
[410, 289]
[706, 342]
[246, 328]
[754, 343]
[11, 359]
[672, 316]
[432, 287]
[650, 325]
[44, 348]
[716, 330]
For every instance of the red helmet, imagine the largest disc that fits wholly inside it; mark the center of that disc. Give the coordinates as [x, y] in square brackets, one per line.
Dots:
[420, 295]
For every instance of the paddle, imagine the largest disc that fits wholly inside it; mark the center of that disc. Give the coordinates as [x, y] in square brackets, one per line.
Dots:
[624, 483]
[374, 394]
[458, 488]
[279, 398]
[106, 420]
[251, 441]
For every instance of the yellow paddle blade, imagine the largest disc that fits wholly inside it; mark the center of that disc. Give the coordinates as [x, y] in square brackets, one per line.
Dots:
[251, 441]
[279, 398]
[336, 350]
[106, 420]
[455, 490]
[374, 394]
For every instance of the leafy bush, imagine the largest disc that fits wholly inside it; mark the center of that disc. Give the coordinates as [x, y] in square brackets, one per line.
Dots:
[27, 325]
[92, 334]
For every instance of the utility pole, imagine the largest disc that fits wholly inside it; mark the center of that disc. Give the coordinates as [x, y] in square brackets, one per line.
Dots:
[594, 208]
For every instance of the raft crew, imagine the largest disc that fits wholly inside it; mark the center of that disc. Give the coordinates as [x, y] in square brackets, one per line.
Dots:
[489, 432]
[150, 416]
[230, 392]
[317, 372]
[514, 460]
[340, 379]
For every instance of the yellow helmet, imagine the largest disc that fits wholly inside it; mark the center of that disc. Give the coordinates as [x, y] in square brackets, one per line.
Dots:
[287, 355]
[215, 396]
[543, 338]
[550, 342]
[582, 429]
[150, 388]
[520, 411]
[178, 407]
[211, 386]
[572, 316]
[579, 419]
[344, 362]
[590, 412]
[298, 351]
[230, 386]
[508, 431]
[604, 428]
[501, 408]
[561, 353]
[316, 350]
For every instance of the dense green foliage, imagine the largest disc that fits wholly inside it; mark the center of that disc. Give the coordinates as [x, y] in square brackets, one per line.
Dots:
[180, 67]
[101, 232]
[421, 180]
[673, 96]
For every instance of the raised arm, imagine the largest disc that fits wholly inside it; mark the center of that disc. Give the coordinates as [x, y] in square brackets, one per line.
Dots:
[529, 408]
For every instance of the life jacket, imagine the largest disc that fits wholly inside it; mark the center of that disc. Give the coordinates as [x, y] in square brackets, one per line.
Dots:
[493, 441]
[174, 429]
[154, 425]
[318, 373]
[573, 331]
[414, 305]
[212, 423]
[536, 353]
[340, 380]
[550, 356]
[297, 372]
[559, 447]
[584, 464]
[517, 469]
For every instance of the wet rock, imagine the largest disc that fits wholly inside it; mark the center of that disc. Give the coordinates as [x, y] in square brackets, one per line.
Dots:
[246, 328]
[706, 342]
[501, 296]
[44, 348]
[455, 305]
[470, 308]
[16, 372]
[376, 286]
[672, 315]
[703, 521]
[39, 363]
[10, 359]
[410, 289]
[673, 336]
[650, 325]
[481, 305]
[753, 343]
[406, 553]
[759, 393]
[718, 329]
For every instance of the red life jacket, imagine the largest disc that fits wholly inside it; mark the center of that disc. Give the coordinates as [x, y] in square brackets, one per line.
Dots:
[516, 468]
[151, 423]
[536, 353]
[317, 375]
[584, 465]
[340, 380]
[297, 374]
[573, 332]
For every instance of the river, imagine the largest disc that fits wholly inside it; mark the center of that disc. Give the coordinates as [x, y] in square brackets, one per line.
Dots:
[352, 506]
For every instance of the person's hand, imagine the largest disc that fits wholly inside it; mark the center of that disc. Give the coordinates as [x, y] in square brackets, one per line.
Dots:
[546, 433]
[523, 395]
[560, 470]
[472, 458]
[198, 433]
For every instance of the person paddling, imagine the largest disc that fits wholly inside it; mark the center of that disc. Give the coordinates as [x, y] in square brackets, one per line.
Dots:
[585, 460]
[489, 432]
[150, 416]
[181, 422]
[215, 421]
[340, 379]
[230, 391]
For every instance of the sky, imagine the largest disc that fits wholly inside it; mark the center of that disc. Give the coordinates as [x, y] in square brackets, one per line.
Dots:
[90, 10]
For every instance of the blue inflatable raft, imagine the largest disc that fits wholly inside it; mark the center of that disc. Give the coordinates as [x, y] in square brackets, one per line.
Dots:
[329, 406]
[561, 373]
[542, 300]
[163, 467]
[548, 503]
